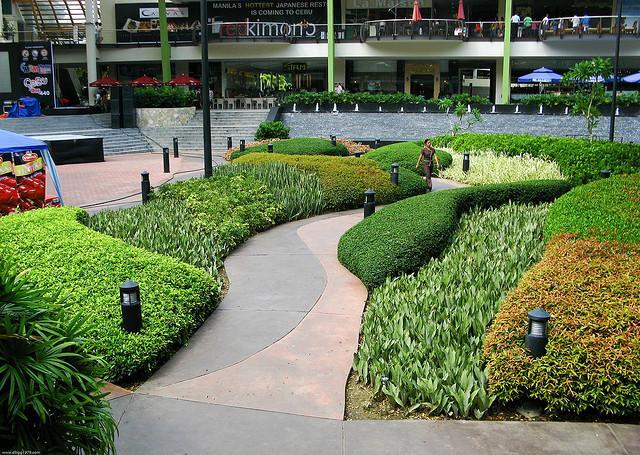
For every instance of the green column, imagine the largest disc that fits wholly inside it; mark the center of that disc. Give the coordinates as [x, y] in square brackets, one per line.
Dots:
[165, 50]
[506, 55]
[330, 47]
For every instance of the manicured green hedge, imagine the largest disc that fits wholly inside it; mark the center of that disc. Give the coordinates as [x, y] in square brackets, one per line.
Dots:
[622, 100]
[298, 146]
[608, 209]
[403, 236]
[377, 98]
[89, 267]
[344, 180]
[580, 160]
[164, 97]
[272, 130]
[592, 363]
[406, 155]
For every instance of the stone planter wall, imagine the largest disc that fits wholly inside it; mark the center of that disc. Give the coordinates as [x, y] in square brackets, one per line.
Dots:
[149, 117]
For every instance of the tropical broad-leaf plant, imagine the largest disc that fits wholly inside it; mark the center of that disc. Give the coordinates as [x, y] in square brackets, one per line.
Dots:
[465, 118]
[50, 400]
[589, 92]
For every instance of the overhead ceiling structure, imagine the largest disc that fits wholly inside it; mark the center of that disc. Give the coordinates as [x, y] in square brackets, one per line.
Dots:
[59, 21]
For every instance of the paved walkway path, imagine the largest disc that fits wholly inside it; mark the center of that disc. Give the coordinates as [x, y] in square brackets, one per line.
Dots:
[266, 373]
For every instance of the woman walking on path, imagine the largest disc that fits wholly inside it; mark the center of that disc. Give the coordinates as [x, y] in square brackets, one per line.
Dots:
[427, 156]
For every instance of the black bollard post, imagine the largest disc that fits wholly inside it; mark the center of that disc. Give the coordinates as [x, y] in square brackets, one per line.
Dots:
[333, 141]
[270, 148]
[369, 202]
[131, 308]
[165, 159]
[242, 145]
[229, 142]
[176, 151]
[465, 162]
[395, 172]
[605, 173]
[146, 186]
[376, 144]
[357, 154]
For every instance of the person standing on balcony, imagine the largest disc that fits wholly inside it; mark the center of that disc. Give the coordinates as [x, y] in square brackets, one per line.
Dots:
[527, 22]
[585, 22]
[515, 25]
[575, 22]
[545, 22]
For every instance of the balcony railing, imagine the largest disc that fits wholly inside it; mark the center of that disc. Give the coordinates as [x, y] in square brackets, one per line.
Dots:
[406, 29]
[577, 27]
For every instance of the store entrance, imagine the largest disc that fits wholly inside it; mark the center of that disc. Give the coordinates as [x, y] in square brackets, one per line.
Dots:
[422, 84]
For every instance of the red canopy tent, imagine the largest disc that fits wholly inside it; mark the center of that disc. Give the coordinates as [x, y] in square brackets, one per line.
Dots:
[185, 80]
[105, 82]
[460, 11]
[416, 16]
[146, 81]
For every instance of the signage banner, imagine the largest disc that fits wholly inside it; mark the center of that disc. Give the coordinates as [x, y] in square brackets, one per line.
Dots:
[36, 71]
[172, 13]
[385, 4]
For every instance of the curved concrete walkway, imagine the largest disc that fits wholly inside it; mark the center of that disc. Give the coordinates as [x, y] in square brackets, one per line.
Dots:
[266, 373]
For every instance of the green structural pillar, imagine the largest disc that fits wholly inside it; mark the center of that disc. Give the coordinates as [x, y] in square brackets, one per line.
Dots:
[331, 51]
[165, 50]
[506, 56]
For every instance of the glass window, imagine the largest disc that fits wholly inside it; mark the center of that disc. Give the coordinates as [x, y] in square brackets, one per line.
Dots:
[5, 69]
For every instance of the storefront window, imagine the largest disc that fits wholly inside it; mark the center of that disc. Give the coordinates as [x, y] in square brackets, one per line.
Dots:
[374, 76]
[269, 78]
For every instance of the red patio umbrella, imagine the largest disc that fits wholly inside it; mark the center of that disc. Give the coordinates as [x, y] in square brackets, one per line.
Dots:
[105, 82]
[460, 11]
[416, 16]
[184, 80]
[146, 81]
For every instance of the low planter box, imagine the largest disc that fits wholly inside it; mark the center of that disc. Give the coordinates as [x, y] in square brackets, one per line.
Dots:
[527, 109]
[554, 110]
[391, 107]
[483, 108]
[412, 107]
[631, 111]
[367, 107]
[158, 117]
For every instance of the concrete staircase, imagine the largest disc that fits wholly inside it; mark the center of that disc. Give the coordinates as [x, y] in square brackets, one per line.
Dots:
[115, 141]
[239, 124]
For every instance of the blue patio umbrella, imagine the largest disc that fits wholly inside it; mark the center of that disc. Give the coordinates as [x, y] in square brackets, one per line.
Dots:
[632, 78]
[542, 76]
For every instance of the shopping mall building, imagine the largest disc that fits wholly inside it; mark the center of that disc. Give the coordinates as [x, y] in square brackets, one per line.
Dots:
[377, 45]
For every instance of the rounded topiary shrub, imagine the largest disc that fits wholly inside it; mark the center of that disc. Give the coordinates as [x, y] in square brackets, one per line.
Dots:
[406, 155]
[272, 130]
[297, 146]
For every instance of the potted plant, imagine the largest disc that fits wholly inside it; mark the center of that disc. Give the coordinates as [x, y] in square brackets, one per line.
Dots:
[8, 29]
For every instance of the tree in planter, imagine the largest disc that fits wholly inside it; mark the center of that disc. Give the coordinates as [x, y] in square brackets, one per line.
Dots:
[464, 119]
[588, 92]
[50, 400]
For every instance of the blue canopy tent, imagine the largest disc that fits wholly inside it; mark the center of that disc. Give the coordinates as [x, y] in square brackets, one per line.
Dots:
[12, 142]
[632, 78]
[25, 107]
[542, 76]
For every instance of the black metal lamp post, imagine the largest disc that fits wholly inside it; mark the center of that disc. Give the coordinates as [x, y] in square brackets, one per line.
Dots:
[131, 309]
[206, 114]
[176, 152]
[369, 202]
[165, 159]
[616, 64]
[465, 162]
[146, 186]
[537, 336]
[395, 169]
[242, 145]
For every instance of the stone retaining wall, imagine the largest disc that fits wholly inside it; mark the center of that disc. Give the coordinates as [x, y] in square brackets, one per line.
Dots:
[164, 117]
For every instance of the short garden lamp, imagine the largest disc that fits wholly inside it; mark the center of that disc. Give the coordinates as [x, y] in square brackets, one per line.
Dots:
[131, 309]
[242, 145]
[465, 162]
[369, 202]
[605, 173]
[333, 140]
[395, 169]
[270, 148]
[536, 338]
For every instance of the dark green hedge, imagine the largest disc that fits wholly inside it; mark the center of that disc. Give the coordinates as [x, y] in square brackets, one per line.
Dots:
[298, 146]
[62, 253]
[405, 235]
[406, 155]
[608, 209]
[376, 98]
[580, 160]
[164, 97]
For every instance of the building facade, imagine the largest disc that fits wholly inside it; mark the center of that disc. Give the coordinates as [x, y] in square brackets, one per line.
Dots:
[262, 46]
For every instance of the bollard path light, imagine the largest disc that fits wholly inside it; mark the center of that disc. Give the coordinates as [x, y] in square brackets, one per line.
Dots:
[333, 141]
[131, 309]
[165, 159]
[357, 154]
[229, 142]
[376, 143]
[605, 173]
[270, 148]
[537, 336]
[369, 202]
[176, 152]
[146, 186]
[395, 169]
[465, 162]
[242, 145]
